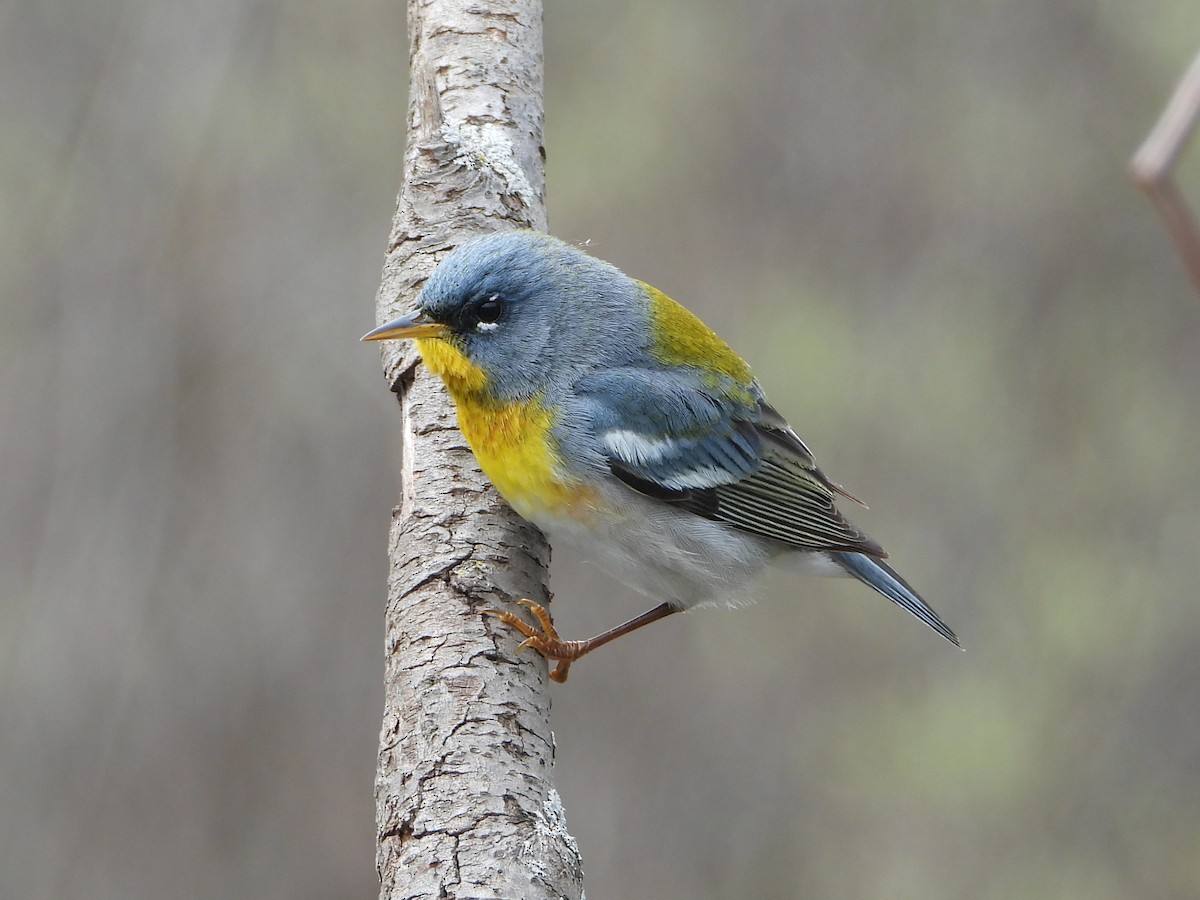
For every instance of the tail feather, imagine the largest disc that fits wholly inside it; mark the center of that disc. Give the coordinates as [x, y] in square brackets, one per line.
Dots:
[883, 578]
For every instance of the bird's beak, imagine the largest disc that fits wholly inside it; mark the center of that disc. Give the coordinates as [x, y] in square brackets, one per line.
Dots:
[414, 325]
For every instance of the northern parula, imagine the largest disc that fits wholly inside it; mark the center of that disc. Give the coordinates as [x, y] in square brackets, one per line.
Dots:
[610, 416]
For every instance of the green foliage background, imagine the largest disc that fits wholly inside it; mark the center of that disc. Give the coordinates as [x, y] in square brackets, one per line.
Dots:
[914, 220]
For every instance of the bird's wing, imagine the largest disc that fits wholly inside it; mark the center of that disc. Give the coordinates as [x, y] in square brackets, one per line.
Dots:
[718, 450]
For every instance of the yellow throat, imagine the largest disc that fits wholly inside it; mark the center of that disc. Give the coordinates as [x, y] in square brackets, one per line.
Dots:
[511, 441]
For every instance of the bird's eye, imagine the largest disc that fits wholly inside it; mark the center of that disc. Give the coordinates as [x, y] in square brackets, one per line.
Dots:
[488, 312]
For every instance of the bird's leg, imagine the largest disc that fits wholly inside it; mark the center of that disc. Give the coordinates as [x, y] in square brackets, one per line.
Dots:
[550, 645]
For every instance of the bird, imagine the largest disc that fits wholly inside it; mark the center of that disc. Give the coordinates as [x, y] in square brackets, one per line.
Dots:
[611, 417]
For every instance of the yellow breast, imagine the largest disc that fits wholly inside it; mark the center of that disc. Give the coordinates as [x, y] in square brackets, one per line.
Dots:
[511, 441]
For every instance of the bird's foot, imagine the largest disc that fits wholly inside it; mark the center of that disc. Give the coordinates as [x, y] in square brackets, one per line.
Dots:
[546, 641]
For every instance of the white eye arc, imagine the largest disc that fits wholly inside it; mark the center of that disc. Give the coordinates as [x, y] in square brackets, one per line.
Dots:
[488, 312]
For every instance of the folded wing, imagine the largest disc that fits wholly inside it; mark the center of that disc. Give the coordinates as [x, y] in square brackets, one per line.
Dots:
[720, 451]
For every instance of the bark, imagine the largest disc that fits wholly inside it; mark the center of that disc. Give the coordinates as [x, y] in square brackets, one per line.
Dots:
[465, 802]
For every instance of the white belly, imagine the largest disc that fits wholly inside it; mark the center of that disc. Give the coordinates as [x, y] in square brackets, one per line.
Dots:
[669, 555]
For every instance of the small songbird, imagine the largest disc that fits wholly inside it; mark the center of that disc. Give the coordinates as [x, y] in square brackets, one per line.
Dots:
[613, 418]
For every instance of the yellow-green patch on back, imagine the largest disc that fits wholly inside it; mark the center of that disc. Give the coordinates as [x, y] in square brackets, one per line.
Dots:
[681, 339]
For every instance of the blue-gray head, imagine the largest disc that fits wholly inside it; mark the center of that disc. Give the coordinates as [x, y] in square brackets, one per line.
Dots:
[511, 304]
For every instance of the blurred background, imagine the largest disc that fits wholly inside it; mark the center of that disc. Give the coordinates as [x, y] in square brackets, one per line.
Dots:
[913, 218]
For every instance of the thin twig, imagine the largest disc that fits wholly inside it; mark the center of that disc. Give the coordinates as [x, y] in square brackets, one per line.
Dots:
[1153, 166]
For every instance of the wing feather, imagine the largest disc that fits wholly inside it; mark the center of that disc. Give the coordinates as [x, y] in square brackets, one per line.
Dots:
[724, 454]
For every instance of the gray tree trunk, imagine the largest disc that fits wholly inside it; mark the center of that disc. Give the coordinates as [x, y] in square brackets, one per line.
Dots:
[465, 802]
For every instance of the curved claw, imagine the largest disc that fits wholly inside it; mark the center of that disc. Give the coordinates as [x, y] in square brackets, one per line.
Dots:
[545, 642]
[550, 645]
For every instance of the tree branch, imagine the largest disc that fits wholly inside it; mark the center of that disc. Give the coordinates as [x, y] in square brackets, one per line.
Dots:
[464, 797]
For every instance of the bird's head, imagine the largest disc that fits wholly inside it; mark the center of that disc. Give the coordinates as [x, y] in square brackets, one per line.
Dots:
[509, 315]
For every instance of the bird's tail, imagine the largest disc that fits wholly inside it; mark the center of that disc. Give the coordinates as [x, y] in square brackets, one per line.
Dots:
[887, 581]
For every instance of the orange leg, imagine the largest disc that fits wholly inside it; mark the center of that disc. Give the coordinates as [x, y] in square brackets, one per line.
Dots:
[550, 645]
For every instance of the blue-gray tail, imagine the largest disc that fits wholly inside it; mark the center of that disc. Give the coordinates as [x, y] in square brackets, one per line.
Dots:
[887, 581]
